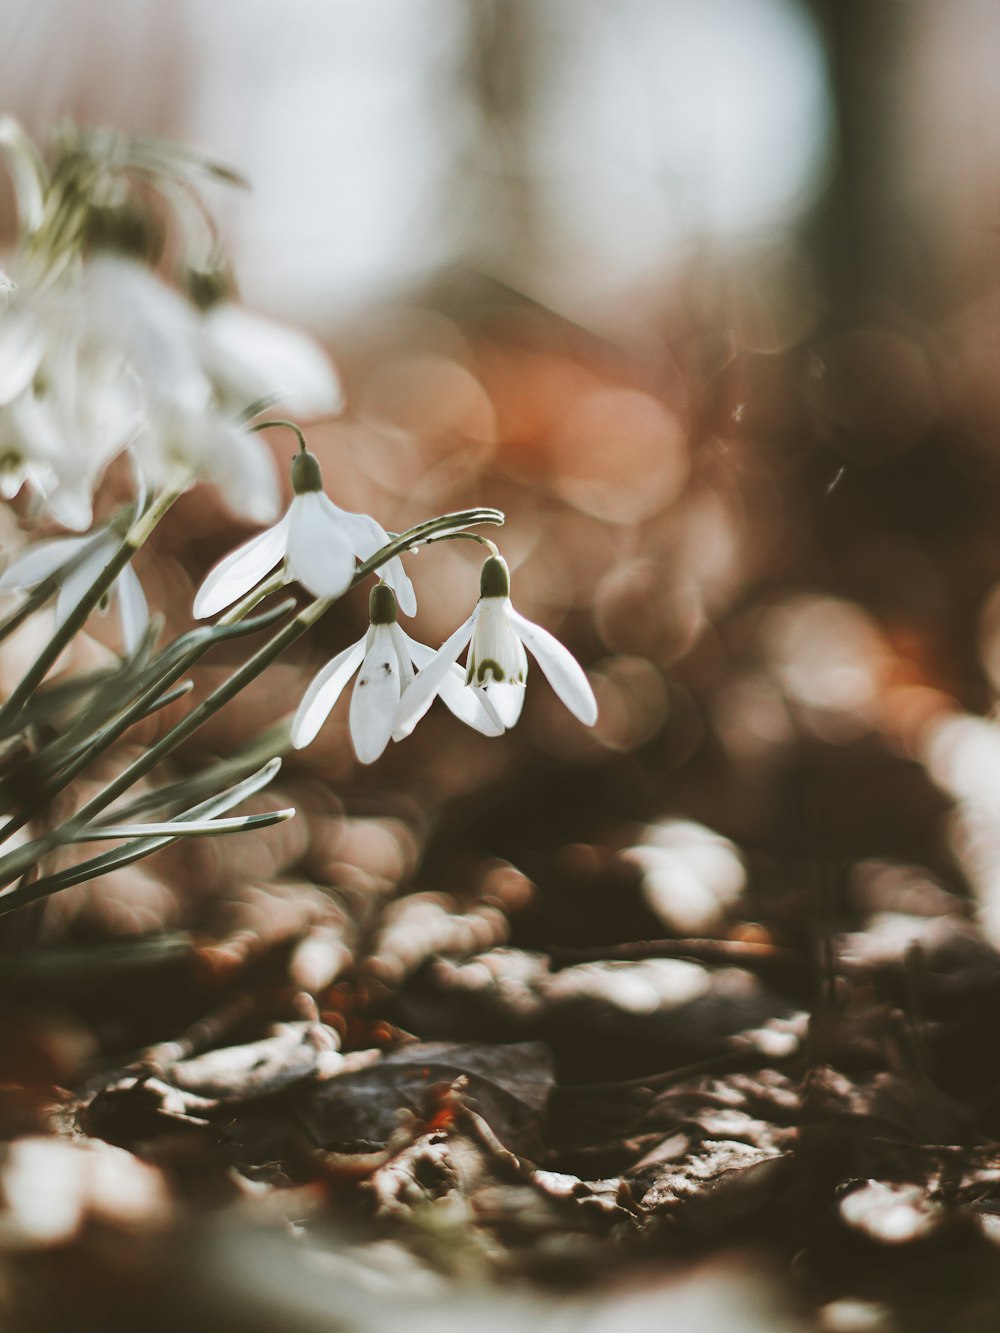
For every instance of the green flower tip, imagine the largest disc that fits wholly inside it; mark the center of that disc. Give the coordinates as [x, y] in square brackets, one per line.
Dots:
[494, 581]
[127, 228]
[208, 286]
[382, 605]
[306, 474]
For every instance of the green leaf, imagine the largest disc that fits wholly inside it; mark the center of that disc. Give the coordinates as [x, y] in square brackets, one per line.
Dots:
[145, 846]
[274, 741]
[183, 828]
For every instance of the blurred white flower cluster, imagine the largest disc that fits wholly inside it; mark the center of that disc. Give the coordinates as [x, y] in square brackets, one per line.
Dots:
[99, 353]
[120, 335]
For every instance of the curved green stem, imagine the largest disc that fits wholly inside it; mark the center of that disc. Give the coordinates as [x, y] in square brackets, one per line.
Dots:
[282, 421]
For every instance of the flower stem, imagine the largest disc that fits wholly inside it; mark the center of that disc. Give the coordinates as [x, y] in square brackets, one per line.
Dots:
[281, 421]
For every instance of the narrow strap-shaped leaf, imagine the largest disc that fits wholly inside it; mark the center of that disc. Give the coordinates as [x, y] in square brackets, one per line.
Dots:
[120, 857]
[147, 699]
[74, 964]
[88, 746]
[113, 687]
[165, 700]
[274, 741]
[184, 828]
[134, 851]
[196, 642]
[239, 791]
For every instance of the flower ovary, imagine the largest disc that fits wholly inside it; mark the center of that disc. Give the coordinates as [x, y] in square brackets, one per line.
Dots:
[306, 474]
[382, 605]
[494, 581]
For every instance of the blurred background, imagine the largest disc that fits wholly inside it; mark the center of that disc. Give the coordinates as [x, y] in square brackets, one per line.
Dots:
[705, 296]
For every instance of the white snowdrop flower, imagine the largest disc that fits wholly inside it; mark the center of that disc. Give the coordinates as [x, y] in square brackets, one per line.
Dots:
[22, 346]
[68, 400]
[81, 559]
[320, 542]
[20, 457]
[386, 657]
[128, 305]
[223, 353]
[497, 663]
[252, 358]
[176, 441]
[190, 422]
[82, 409]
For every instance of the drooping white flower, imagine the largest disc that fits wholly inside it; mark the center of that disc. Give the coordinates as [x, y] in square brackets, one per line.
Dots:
[80, 411]
[320, 542]
[223, 354]
[184, 374]
[253, 358]
[81, 559]
[128, 305]
[190, 427]
[176, 441]
[22, 346]
[497, 664]
[69, 401]
[386, 657]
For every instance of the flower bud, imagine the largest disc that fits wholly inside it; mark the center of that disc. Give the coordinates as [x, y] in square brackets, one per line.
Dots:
[208, 286]
[494, 581]
[127, 228]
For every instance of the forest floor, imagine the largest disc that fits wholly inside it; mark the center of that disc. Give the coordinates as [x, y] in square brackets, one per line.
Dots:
[366, 1109]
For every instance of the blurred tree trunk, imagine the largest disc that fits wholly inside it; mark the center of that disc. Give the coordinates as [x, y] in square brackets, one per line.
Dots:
[866, 246]
[503, 63]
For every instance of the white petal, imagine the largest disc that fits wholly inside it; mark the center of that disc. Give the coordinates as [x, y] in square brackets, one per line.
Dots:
[71, 505]
[77, 582]
[404, 646]
[28, 175]
[242, 467]
[37, 428]
[419, 697]
[464, 702]
[496, 652]
[241, 570]
[21, 346]
[368, 536]
[393, 573]
[506, 699]
[323, 693]
[375, 698]
[365, 534]
[563, 671]
[470, 705]
[141, 475]
[258, 358]
[320, 554]
[133, 613]
[12, 478]
[154, 325]
[44, 558]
